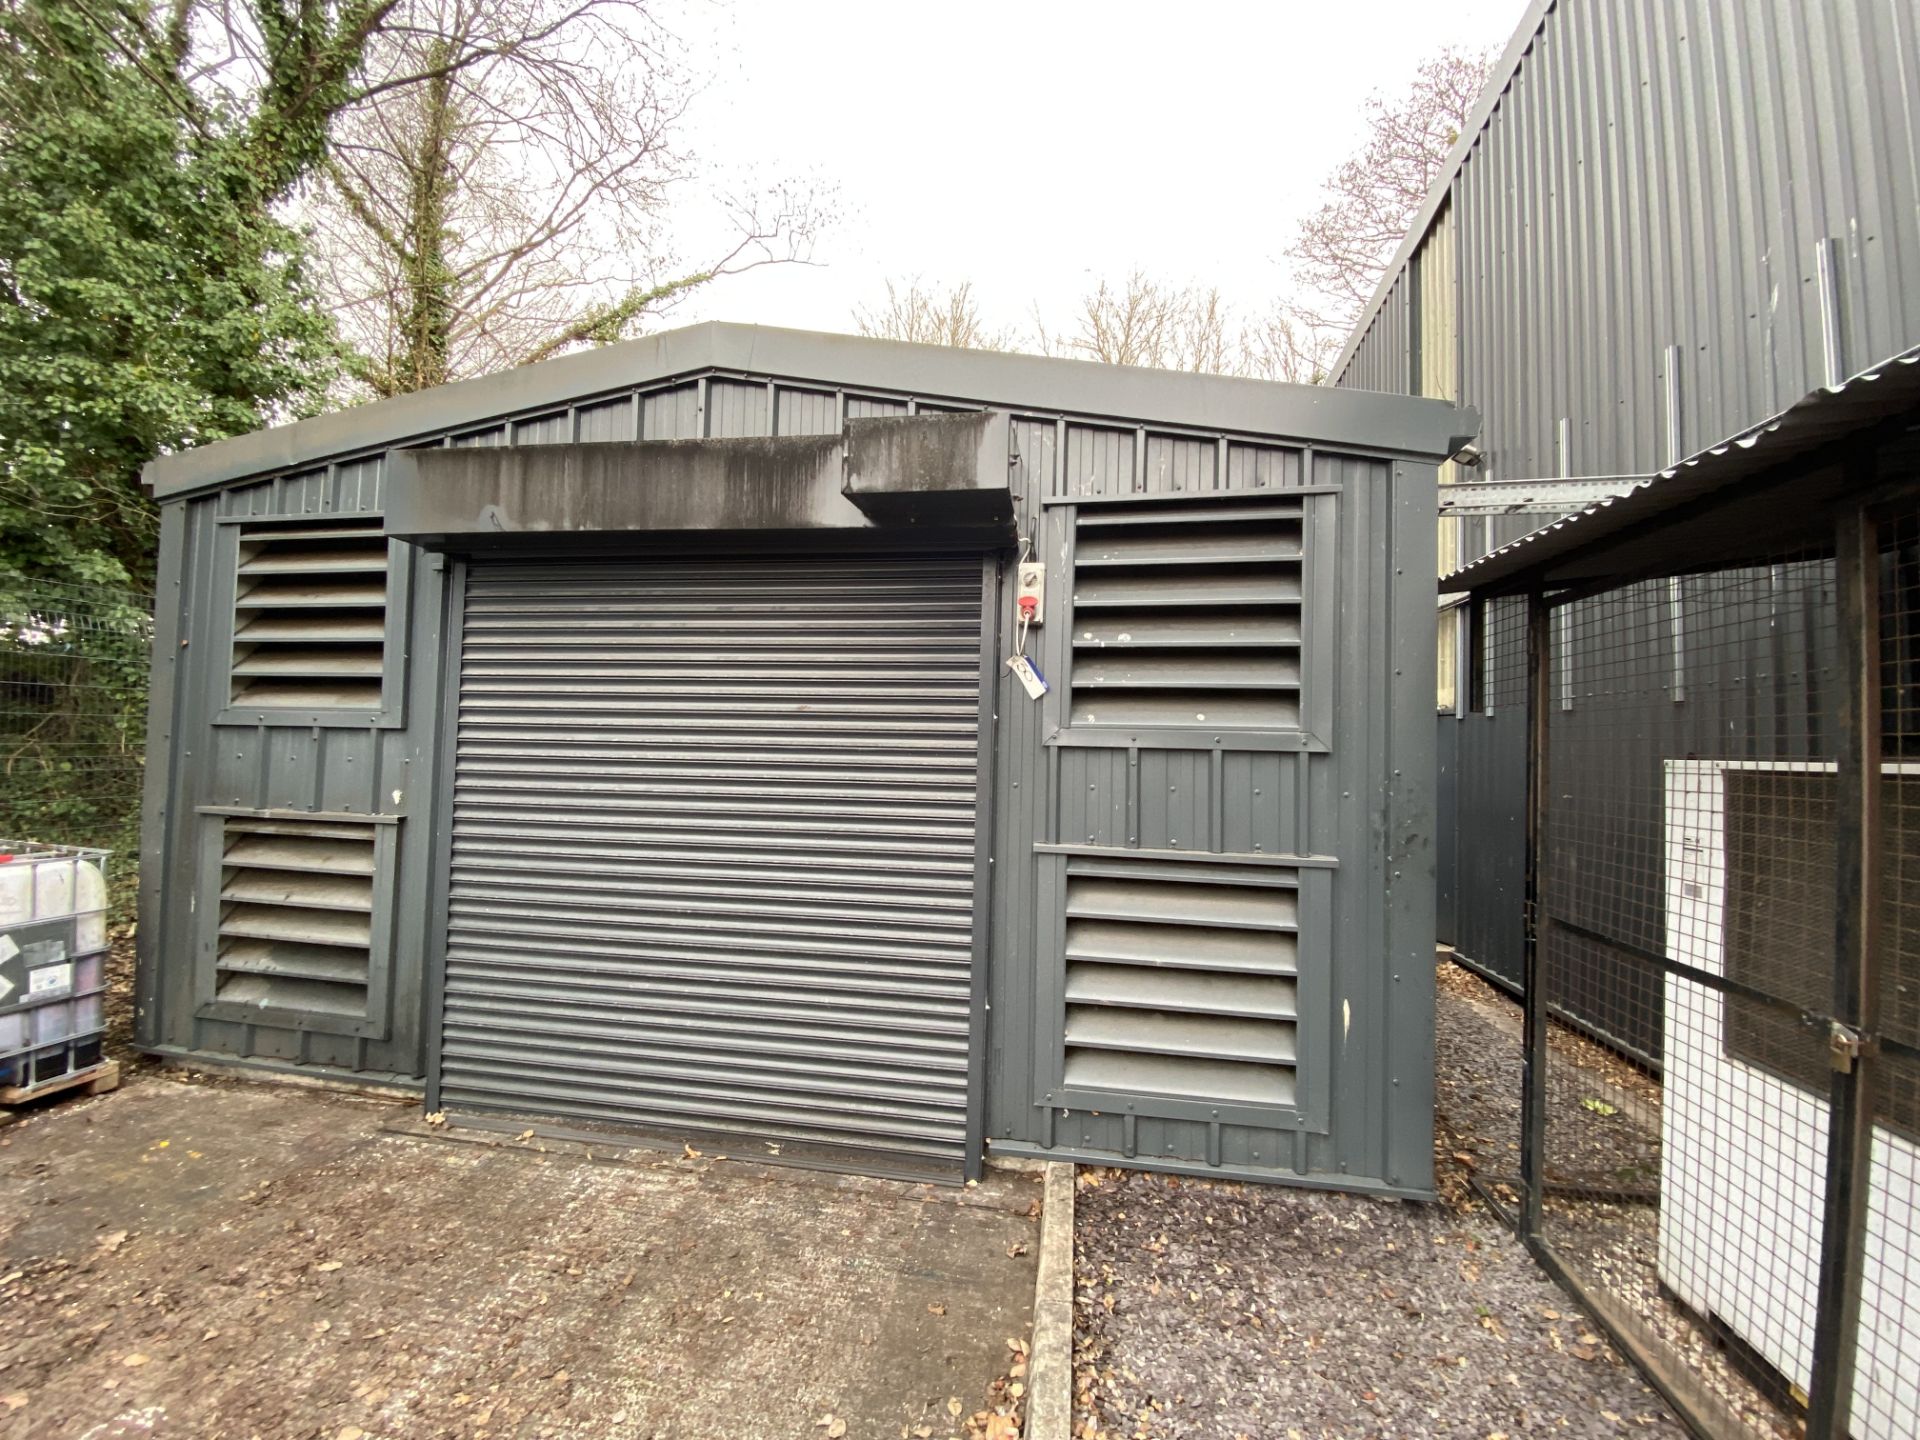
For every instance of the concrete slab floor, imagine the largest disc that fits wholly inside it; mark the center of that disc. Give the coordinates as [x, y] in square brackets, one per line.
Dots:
[250, 1260]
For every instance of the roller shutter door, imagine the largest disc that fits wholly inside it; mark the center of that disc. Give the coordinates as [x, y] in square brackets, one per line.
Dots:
[713, 849]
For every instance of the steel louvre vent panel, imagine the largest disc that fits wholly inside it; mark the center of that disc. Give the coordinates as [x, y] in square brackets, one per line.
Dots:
[309, 625]
[1182, 981]
[295, 925]
[1187, 617]
[714, 847]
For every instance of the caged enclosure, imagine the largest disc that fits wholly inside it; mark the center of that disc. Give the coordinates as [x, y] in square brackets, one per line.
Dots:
[1742, 1215]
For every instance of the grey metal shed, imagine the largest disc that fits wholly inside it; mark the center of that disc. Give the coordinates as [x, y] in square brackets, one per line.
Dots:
[627, 741]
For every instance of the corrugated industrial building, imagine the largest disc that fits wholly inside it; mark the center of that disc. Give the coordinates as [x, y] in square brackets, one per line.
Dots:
[628, 741]
[1667, 222]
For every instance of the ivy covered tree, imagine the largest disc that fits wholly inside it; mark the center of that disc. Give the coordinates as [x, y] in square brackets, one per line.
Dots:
[148, 298]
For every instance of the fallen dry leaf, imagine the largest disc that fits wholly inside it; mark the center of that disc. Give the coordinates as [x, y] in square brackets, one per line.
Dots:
[1002, 1427]
[326, 1267]
[15, 1400]
[113, 1241]
[954, 1407]
[936, 1309]
[833, 1425]
[1016, 1250]
[688, 1152]
[134, 1361]
[350, 1432]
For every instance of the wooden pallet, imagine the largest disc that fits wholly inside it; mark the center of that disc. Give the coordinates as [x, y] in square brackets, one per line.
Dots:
[97, 1080]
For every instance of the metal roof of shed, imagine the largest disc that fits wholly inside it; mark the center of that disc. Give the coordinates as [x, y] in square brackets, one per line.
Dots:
[1312, 414]
[1594, 542]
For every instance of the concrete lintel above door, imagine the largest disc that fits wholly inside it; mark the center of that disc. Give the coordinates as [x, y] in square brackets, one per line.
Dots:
[928, 474]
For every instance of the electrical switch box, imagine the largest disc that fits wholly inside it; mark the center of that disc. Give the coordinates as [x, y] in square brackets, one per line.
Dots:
[1030, 591]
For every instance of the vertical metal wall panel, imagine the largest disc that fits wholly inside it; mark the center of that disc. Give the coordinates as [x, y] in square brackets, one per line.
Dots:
[1666, 172]
[737, 407]
[806, 412]
[555, 429]
[671, 414]
[1384, 361]
[713, 847]
[1730, 191]
[611, 420]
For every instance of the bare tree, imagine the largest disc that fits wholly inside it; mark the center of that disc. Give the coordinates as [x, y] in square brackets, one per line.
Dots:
[1289, 343]
[1342, 249]
[497, 193]
[931, 316]
[1144, 321]
[1136, 321]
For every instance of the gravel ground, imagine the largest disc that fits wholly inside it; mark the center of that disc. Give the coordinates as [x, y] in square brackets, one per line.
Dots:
[1211, 1311]
[1603, 1114]
[1603, 1134]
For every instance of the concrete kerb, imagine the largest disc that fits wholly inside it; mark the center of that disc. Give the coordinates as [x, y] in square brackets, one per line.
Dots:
[1050, 1367]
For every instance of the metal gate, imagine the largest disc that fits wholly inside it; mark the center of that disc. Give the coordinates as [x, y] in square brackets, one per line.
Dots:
[714, 849]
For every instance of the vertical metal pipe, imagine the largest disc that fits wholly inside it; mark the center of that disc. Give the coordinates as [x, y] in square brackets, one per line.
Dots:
[1676, 593]
[1533, 1088]
[1827, 258]
[1836, 1325]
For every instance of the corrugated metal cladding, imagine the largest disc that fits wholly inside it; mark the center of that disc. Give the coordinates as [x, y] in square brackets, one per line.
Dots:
[1680, 217]
[713, 848]
[1740, 181]
[1209, 917]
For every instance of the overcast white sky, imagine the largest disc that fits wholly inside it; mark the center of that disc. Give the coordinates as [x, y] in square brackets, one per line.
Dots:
[1033, 147]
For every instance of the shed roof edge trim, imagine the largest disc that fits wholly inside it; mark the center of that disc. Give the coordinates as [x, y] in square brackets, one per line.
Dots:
[1306, 413]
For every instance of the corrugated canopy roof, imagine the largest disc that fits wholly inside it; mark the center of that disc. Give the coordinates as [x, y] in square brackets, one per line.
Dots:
[1653, 523]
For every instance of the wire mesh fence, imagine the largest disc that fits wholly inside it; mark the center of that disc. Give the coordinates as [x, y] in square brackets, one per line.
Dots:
[1717, 1140]
[73, 695]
